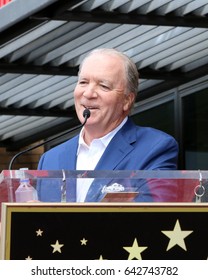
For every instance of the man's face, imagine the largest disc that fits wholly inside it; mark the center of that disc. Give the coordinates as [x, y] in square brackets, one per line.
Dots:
[101, 88]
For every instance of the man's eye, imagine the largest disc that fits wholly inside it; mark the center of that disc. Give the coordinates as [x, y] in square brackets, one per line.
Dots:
[82, 82]
[104, 87]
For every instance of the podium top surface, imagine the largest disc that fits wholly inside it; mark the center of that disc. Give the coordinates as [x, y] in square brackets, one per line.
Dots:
[113, 174]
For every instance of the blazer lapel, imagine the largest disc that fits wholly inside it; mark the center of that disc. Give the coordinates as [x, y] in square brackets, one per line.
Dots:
[68, 155]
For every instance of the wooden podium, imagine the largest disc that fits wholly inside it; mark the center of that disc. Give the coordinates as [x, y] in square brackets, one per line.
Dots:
[117, 225]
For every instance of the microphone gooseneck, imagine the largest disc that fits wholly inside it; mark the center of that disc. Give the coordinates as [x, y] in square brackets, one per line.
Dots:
[86, 115]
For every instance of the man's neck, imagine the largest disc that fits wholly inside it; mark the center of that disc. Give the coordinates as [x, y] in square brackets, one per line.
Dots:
[91, 133]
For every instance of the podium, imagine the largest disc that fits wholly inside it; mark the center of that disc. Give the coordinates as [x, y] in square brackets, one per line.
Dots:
[128, 215]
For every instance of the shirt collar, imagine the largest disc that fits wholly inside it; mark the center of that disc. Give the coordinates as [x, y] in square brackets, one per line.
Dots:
[105, 140]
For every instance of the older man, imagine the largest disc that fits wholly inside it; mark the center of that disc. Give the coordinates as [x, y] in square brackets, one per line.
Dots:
[107, 86]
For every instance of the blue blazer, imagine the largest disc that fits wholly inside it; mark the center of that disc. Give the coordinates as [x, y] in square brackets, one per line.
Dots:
[132, 148]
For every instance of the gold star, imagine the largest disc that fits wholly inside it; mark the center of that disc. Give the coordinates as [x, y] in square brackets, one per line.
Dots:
[83, 241]
[177, 236]
[28, 258]
[135, 251]
[57, 247]
[39, 232]
[101, 258]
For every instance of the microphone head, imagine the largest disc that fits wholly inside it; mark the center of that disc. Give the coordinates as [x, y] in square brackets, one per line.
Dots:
[86, 113]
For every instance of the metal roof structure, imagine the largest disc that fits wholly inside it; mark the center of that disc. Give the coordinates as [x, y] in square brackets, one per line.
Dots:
[42, 43]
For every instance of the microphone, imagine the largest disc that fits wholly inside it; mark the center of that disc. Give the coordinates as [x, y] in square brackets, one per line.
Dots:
[86, 115]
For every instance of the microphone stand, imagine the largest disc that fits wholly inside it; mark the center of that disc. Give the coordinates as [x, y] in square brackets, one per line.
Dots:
[86, 115]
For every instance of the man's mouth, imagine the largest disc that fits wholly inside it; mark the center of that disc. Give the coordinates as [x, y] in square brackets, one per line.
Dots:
[90, 108]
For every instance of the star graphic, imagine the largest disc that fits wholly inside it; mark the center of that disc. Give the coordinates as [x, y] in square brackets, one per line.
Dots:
[57, 247]
[39, 232]
[28, 258]
[135, 251]
[83, 241]
[101, 258]
[177, 236]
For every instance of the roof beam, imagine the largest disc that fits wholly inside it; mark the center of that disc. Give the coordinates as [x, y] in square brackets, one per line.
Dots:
[145, 73]
[36, 112]
[6, 67]
[151, 74]
[131, 18]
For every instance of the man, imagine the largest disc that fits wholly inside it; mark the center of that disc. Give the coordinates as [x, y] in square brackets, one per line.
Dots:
[107, 85]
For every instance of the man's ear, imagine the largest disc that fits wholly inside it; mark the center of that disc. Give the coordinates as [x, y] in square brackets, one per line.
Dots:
[129, 100]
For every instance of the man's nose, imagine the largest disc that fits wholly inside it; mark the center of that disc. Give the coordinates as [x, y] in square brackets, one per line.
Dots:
[90, 91]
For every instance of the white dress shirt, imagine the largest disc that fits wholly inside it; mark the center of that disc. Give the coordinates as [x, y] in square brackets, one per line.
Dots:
[88, 157]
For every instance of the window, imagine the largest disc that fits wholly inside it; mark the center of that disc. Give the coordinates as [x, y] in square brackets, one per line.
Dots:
[195, 126]
[160, 117]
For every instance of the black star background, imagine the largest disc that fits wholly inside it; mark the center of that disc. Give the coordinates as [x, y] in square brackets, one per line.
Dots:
[107, 233]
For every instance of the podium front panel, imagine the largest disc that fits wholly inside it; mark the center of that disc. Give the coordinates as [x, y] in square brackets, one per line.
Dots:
[108, 185]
